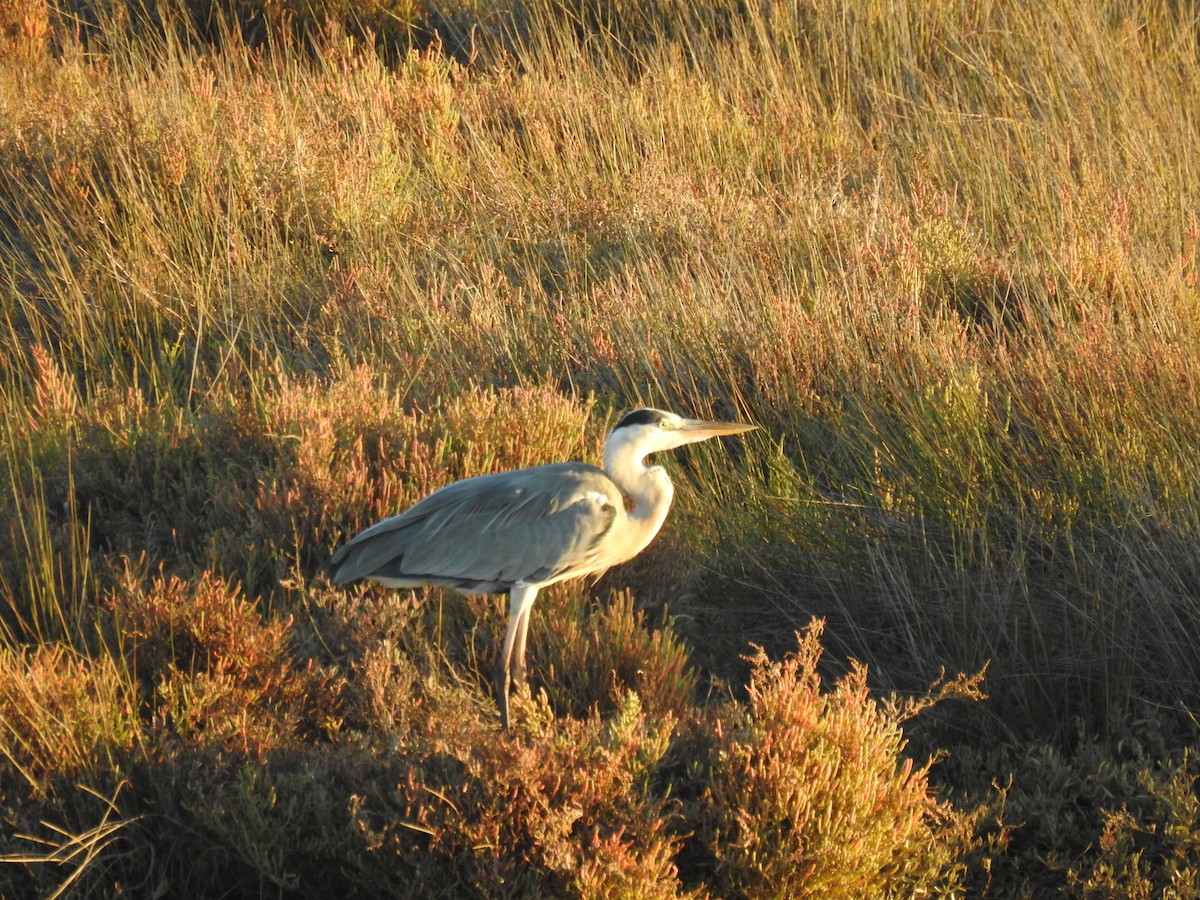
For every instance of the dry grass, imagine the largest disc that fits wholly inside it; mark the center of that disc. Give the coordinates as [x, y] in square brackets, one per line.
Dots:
[262, 288]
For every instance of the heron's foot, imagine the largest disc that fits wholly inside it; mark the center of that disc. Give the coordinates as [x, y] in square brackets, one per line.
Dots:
[501, 683]
[524, 710]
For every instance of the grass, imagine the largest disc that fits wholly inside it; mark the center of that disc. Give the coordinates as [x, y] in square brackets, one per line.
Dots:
[263, 285]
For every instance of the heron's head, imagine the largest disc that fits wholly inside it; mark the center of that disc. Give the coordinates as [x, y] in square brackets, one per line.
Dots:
[646, 431]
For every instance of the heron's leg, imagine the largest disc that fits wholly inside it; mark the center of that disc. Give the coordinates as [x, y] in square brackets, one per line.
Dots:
[518, 660]
[520, 600]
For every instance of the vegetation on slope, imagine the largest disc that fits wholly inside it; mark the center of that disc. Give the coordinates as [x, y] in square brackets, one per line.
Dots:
[273, 272]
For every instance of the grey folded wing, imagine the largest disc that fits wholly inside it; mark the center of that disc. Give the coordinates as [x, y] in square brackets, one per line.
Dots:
[484, 534]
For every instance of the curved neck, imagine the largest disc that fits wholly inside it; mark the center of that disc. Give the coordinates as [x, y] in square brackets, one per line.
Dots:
[648, 488]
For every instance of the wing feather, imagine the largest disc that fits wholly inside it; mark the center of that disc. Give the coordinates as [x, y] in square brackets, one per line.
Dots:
[489, 532]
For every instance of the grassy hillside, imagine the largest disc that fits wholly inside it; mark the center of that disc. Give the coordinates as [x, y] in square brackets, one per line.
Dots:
[272, 272]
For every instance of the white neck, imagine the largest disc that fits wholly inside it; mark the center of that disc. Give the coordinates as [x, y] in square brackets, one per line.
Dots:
[648, 488]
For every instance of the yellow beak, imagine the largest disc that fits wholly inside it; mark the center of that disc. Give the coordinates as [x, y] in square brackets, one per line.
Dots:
[699, 429]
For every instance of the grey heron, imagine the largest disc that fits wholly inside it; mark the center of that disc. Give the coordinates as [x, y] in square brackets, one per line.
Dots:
[517, 532]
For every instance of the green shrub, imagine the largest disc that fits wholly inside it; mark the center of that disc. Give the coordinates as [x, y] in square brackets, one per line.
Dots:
[808, 794]
[1110, 817]
[215, 671]
[588, 654]
[62, 716]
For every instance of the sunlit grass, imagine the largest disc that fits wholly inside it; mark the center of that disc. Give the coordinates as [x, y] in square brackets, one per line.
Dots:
[260, 291]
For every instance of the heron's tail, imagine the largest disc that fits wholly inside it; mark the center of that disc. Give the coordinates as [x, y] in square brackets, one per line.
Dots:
[335, 569]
